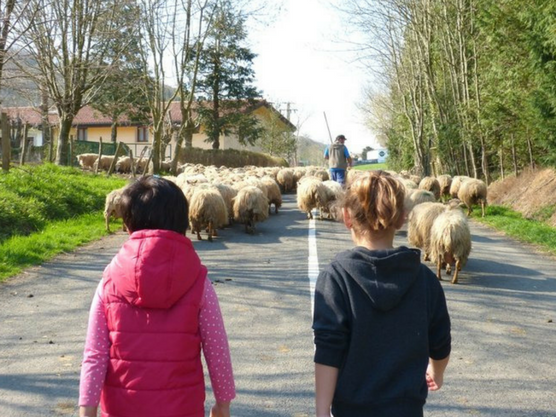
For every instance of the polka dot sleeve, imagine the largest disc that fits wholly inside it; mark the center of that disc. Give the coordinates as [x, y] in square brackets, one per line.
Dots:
[215, 346]
[96, 354]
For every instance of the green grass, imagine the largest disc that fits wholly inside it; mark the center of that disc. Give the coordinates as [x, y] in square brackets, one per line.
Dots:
[20, 252]
[46, 210]
[369, 167]
[513, 224]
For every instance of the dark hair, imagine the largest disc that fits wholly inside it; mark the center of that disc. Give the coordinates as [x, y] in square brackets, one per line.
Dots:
[154, 203]
[375, 200]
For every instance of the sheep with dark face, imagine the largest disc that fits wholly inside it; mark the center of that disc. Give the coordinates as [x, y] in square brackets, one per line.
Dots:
[250, 207]
[450, 242]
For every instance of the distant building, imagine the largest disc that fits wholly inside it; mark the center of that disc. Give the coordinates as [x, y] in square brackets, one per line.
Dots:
[378, 156]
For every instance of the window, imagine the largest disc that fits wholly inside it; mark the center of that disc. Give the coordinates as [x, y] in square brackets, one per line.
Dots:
[82, 133]
[142, 134]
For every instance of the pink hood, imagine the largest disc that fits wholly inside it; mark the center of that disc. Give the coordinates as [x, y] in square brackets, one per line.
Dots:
[155, 268]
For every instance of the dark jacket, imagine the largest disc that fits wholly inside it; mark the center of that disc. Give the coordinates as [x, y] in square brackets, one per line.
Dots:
[378, 317]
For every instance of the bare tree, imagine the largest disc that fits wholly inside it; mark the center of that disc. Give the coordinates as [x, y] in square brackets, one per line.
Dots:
[67, 50]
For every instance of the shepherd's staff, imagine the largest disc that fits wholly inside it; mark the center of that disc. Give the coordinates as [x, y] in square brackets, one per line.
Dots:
[326, 120]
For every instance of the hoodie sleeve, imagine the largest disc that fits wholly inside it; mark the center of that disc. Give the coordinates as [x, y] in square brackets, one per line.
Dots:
[440, 339]
[330, 321]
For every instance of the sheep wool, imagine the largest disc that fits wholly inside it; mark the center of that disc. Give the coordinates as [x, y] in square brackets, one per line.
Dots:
[207, 210]
[273, 193]
[87, 160]
[250, 207]
[419, 223]
[312, 194]
[112, 206]
[473, 192]
[430, 184]
[413, 197]
[450, 242]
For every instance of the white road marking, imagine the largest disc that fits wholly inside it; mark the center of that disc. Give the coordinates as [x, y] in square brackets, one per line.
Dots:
[313, 263]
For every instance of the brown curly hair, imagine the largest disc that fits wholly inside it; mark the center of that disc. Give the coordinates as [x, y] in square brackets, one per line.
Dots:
[375, 200]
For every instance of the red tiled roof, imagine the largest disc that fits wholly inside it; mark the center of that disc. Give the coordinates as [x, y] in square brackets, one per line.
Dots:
[88, 116]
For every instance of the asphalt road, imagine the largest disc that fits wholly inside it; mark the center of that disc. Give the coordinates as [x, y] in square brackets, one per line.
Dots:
[503, 318]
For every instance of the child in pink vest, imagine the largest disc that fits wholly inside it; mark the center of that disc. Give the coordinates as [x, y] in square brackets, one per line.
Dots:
[152, 314]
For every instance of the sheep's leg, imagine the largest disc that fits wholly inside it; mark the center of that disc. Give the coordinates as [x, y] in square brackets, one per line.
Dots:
[483, 208]
[198, 234]
[439, 269]
[275, 209]
[426, 257]
[211, 231]
[457, 269]
[448, 268]
[107, 219]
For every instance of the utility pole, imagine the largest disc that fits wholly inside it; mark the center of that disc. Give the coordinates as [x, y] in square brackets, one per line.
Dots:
[289, 109]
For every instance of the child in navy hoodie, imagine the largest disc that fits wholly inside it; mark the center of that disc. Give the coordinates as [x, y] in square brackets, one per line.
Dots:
[381, 325]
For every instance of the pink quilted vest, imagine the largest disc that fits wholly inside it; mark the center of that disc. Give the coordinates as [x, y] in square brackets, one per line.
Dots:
[152, 293]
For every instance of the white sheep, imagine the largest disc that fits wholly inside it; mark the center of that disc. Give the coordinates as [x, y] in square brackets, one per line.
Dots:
[472, 192]
[87, 160]
[335, 196]
[105, 162]
[413, 197]
[419, 223]
[430, 184]
[456, 184]
[124, 164]
[250, 207]
[228, 193]
[112, 206]
[450, 242]
[445, 182]
[285, 179]
[312, 194]
[207, 210]
[272, 193]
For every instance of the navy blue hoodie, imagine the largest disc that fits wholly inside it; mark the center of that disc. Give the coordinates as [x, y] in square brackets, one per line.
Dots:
[378, 317]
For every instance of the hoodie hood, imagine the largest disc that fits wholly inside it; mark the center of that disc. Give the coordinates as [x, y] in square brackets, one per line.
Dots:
[155, 268]
[384, 275]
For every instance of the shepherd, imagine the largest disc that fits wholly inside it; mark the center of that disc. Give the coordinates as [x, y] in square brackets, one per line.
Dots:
[339, 159]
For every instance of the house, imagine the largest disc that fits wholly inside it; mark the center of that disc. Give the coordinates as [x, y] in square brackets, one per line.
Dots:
[91, 125]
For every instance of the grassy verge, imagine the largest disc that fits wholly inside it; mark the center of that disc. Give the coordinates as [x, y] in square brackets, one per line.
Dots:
[370, 167]
[514, 225]
[20, 252]
[46, 210]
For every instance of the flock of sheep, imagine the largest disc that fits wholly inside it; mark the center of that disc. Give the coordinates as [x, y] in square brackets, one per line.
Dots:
[217, 197]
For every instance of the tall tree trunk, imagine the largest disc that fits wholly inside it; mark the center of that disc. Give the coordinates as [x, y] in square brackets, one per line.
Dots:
[514, 156]
[114, 132]
[66, 121]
